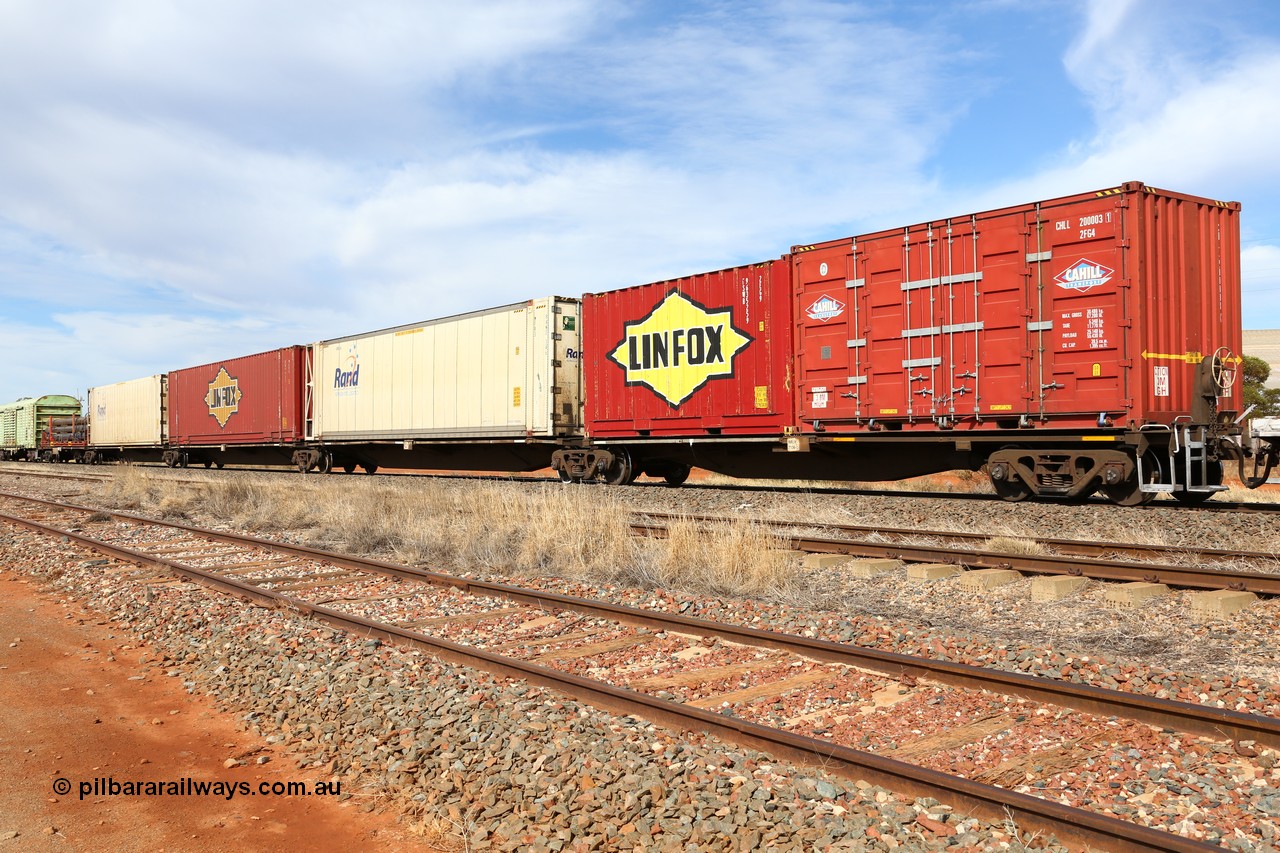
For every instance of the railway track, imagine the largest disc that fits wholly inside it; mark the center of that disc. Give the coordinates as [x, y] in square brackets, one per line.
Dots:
[1069, 547]
[54, 472]
[1082, 558]
[620, 659]
[1196, 569]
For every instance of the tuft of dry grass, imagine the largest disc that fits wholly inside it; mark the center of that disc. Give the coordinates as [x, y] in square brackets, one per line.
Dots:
[727, 558]
[1012, 545]
[961, 481]
[579, 532]
[1239, 494]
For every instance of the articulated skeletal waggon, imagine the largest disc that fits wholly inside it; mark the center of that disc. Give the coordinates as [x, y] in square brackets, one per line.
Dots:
[1079, 345]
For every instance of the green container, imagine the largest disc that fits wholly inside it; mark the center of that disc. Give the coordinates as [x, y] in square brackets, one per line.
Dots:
[21, 422]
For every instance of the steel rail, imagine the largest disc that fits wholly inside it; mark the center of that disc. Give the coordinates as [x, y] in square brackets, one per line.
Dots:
[1186, 577]
[1071, 825]
[1220, 723]
[1076, 547]
[833, 488]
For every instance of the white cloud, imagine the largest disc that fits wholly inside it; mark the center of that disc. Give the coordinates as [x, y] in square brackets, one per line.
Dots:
[1166, 115]
[213, 180]
[1260, 281]
[79, 350]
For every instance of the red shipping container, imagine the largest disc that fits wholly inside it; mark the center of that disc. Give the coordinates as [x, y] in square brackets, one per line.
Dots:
[255, 399]
[703, 355]
[1085, 311]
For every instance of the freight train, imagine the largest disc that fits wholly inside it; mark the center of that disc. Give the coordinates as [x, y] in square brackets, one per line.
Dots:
[1071, 346]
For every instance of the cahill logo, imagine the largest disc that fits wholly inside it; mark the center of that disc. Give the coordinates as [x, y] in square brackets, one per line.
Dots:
[223, 397]
[678, 348]
[1084, 275]
[825, 308]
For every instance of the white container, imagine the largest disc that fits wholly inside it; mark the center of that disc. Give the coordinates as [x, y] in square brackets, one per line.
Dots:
[509, 372]
[128, 414]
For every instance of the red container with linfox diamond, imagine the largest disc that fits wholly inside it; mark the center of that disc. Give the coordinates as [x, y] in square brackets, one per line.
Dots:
[254, 399]
[1092, 310]
[701, 356]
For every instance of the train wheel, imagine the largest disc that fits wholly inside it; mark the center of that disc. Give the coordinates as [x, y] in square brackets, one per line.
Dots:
[1197, 498]
[348, 467]
[370, 468]
[676, 475]
[208, 463]
[325, 463]
[564, 476]
[621, 471]
[219, 464]
[1011, 490]
[1129, 492]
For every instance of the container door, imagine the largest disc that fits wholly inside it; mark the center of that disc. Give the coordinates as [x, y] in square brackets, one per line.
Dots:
[998, 245]
[831, 383]
[1081, 287]
[567, 363]
[962, 322]
[923, 302]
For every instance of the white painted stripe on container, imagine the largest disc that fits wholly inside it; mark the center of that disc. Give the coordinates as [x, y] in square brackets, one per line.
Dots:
[855, 282]
[960, 278]
[919, 283]
[963, 327]
[1039, 257]
[1042, 326]
[857, 342]
[921, 362]
[916, 333]
[857, 380]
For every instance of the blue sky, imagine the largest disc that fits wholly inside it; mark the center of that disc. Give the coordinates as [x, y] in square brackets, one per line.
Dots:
[182, 182]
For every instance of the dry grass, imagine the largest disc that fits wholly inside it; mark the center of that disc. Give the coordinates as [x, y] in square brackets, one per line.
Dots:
[580, 532]
[957, 482]
[1011, 545]
[1239, 494]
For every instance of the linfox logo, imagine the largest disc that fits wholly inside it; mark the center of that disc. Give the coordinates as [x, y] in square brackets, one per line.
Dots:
[679, 347]
[825, 308]
[350, 377]
[1084, 275]
[223, 397]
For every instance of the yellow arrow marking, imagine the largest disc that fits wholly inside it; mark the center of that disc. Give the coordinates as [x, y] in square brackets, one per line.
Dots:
[1188, 357]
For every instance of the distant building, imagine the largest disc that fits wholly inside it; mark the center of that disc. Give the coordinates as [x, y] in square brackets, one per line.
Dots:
[1265, 344]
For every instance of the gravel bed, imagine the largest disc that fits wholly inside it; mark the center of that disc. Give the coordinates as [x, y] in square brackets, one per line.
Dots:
[1156, 649]
[508, 766]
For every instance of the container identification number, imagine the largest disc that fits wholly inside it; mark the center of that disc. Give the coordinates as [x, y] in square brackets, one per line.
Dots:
[1086, 225]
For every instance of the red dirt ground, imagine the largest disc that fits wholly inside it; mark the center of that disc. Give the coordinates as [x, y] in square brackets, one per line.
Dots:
[70, 713]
